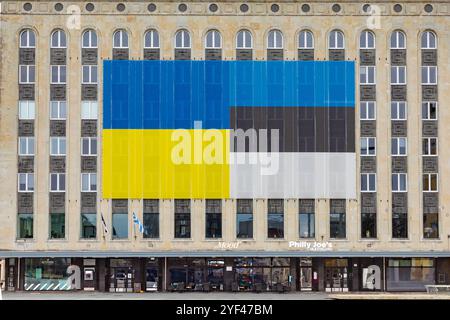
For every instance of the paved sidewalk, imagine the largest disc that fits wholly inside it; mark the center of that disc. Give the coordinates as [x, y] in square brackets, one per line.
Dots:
[390, 296]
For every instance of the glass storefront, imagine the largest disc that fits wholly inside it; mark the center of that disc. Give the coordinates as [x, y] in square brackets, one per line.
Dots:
[47, 274]
[411, 274]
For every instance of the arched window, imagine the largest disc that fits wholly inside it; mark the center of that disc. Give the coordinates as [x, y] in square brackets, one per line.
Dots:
[244, 40]
[336, 40]
[89, 39]
[58, 39]
[398, 40]
[182, 39]
[27, 39]
[120, 39]
[213, 40]
[151, 39]
[275, 39]
[428, 40]
[305, 40]
[367, 40]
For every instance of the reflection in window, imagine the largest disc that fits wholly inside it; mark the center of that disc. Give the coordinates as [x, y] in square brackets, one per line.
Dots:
[88, 225]
[57, 225]
[120, 225]
[25, 226]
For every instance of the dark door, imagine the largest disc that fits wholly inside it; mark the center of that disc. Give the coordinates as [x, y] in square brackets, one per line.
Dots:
[336, 279]
[123, 279]
[151, 279]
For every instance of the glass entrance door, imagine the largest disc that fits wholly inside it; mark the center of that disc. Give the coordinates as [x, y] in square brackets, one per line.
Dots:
[122, 279]
[151, 279]
[336, 279]
[306, 278]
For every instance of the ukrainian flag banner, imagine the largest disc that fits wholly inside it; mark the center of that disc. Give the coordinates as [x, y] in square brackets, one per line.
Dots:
[229, 129]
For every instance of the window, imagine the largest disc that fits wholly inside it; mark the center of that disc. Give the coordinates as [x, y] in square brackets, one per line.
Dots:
[182, 218]
[399, 182]
[398, 146]
[26, 146]
[57, 182]
[89, 39]
[88, 226]
[275, 39]
[431, 225]
[368, 182]
[25, 226]
[430, 182]
[429, 110]
[151, 218]
[151, 39]
[58, 110]
[57, 225]
[58, 74]
[275, 218]
[213, 219]
[57, 146]
[398, 40]
[336, 40]
[428, 40]
[337, 219]
[89, 110]
[244, 40]
[58, 39]
[305, 40]
[182, 39]
[88, 146]
[244, 218]
[120, 225]
[429, 75]
[27, 39]
[368, 225]
[27, 110]
[26, 182]
[367, 75]
[89, 74]
[120, 39]
[88, 182]
[429, 147]
[399, 225]
[368, 146]
[367, 40]
[398, 75]
[306, 218]
[398, 110]
[367, 110]
[213, 40]
[27, 74]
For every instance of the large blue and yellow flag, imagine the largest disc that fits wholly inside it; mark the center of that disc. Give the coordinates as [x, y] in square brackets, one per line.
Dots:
[229, 129]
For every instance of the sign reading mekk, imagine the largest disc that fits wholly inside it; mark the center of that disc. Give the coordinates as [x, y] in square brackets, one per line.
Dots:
[229, 129]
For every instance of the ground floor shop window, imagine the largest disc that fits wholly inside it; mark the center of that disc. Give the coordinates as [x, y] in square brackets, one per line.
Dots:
[187, 274]
[25, 226]
[47, 274]
[215, 274]
[88, 225]
[57, 225]
[411, 274]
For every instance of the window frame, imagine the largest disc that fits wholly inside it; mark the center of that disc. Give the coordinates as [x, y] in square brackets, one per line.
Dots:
[28, 146]
[61, 77]
[123, 38]
[89, 146]
[58, 182]
[398, 176]
[183, 33]
[428, 145]
[428, 80]
[61, 41]
[59, 146]
[429, 175]
[277, 36]
[366, 109]
[367, 75]
[58, 103]
[335, 34]
[398, 147]
[27, 104]
[29, 181]
[89, 68]
[214, 33]
[28, 39]
[303, 40]
[428, 106]
[245, 34]
[398, 39]
[30, 76]
[366, 34]
[427, 33]
[93, 37]
[91, 181]
[397, 107]
[398, 75]
[89, 103]
[367, 139]
[151, 33]
[368, 178]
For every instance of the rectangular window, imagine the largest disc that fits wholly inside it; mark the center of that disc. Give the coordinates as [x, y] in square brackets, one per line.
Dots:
[151, 218]
[398, 146]
[88, 182]
[120, 225]
[25, 226]
[368, 225]
[58, 74]
[367, 110]
[27, 74]
[88, 225]
[89, 74]
[25, 182]
[367, 75]
[429, 146]
[430, 182]
[213, 219]
[398, 110]
[399, 182]
[57, 182]
[337, 219]
[306, 218]
[57, 146]
[368, 146]
[430, 225]
[57, 225]
[399, 225]
[27, 110]
[429, 110]
[398, 75]
[88, 146]
[182, 219]
[368, 182]
[89, 110]
[275, 218]
[429, 75]
[26, 146]
[244, 218]
[58, 110]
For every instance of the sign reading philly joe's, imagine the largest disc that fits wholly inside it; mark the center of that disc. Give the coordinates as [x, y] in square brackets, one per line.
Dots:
[229, 129]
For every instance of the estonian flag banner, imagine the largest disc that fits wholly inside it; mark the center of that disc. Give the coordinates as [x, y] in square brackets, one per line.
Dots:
[229, 129]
